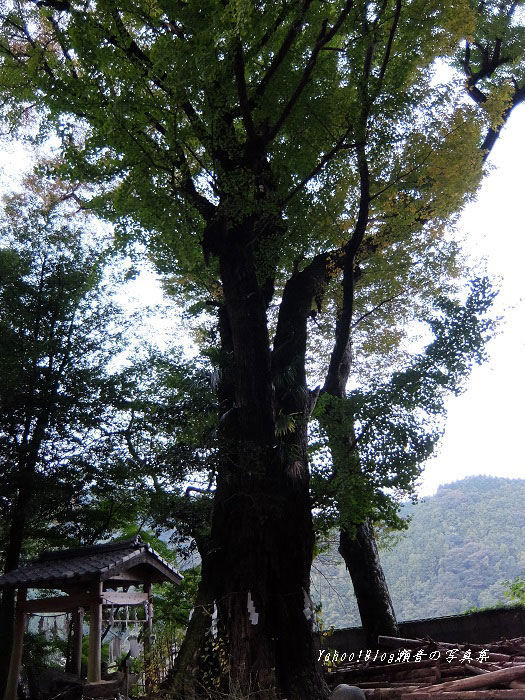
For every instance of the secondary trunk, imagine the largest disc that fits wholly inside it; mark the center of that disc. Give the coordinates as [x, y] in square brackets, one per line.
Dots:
[359, 551]
[373, 599]
[357, 543]
[189, 673]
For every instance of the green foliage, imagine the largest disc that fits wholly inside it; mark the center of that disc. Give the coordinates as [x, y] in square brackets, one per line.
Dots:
[64, 468]
[40, 653]
[143, 101]
[515, 590]
[243, 142]
[492, 59]
[499, 605]
[104, 649]
[142, 108]
[173, 603]
[172, 440]
[395, 426]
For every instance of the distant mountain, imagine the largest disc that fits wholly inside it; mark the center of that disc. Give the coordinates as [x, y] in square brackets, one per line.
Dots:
[460, 546]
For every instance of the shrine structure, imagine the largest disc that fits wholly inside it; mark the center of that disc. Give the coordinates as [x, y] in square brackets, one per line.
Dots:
[90, 578]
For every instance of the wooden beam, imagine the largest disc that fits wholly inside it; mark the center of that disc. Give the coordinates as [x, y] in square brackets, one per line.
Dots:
[18, 645]
[125, 577]
[95, 633]
[82, 600]
[120, 598]
[76, 652]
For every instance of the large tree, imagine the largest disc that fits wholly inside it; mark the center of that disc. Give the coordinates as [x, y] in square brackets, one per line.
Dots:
[269, 152]
[65, 476]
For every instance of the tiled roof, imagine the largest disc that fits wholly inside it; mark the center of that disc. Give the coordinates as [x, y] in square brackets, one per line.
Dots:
[96, 562]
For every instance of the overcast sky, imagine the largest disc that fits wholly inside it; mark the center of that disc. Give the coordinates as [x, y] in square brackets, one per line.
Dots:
[485, 426]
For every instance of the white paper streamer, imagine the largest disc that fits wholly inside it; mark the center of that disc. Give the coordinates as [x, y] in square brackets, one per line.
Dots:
[308, 612]
[134, 647]
[214, 629]
[252, 613]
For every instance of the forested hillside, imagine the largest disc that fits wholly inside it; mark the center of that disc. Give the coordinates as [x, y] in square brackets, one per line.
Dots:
[460, 546]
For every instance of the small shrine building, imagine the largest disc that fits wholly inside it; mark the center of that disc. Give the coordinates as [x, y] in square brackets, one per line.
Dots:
[90, 578]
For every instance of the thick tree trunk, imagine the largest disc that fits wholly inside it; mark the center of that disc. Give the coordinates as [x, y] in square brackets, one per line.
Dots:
[373, 599]
[263, 549]
[262, 581]
[262, 530]
[261, 543]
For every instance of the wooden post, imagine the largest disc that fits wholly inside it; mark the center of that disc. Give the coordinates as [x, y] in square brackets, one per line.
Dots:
[126, 679]
[76, 654]
[95, 633]
[148, 627]
[18, 645]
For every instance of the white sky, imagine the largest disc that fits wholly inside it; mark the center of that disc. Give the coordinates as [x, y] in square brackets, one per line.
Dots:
[484, 426]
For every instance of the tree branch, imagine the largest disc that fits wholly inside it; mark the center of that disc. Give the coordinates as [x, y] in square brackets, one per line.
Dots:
[323, 38]
[246, 114]
[327, 157]
[493, 134]
[289, 347]
[188, 189]
[376, 308]
[339, 367]
[198, 490]
[275, 26]
[388, 50]
[292, 34]
[401, 177]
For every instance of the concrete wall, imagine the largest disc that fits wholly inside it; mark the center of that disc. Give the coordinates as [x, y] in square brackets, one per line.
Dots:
[475, 628]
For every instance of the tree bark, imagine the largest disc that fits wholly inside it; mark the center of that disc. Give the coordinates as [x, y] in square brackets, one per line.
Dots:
[373, 598]
[186, 678]
[357, 544]
[358, 547]
[262, 581]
